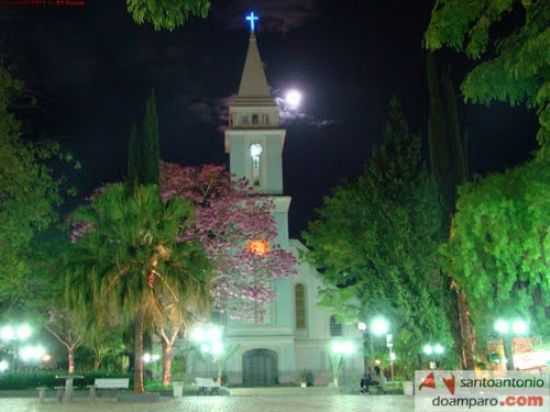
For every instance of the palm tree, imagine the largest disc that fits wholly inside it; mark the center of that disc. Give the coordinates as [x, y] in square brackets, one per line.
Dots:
[130, 257]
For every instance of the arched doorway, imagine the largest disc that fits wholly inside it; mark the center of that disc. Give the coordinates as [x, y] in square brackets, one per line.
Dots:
[260, 368]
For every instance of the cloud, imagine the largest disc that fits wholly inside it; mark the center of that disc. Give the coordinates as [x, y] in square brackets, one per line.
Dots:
[275, 15]
[215, 111]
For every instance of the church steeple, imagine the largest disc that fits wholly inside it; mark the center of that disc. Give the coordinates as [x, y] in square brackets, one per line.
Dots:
[253, 80]
[254, 138]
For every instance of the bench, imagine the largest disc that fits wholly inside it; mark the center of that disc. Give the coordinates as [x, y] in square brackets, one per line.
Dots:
[207, 386]
[108, 383]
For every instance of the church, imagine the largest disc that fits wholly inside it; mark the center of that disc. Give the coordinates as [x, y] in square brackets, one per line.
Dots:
[295, 337]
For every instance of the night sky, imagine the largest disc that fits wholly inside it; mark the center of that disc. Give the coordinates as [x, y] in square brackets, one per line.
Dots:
[92, 68]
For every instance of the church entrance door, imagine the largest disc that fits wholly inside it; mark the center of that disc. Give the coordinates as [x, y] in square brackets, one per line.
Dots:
[260, 368]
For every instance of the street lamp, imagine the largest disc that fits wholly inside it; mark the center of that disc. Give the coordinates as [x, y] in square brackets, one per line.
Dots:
[4, 366]
[21, 332]
[150, 358]
[209, 338]
[507, 330]
[380, 326]
[32, 353]
[340, 349]
[433, 351]
[10, 335]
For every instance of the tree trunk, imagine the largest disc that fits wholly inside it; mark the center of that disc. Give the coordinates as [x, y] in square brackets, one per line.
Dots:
[97, 362]
[70, 359]
[138, 352]
[167, 357]
[466, 332]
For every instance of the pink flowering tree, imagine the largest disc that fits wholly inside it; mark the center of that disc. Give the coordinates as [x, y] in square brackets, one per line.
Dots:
[230, 220]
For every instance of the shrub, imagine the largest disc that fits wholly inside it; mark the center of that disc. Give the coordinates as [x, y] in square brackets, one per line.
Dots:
[34, 379]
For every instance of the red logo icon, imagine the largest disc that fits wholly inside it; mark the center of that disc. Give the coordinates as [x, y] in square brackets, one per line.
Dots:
[428, 382]
[450, 383]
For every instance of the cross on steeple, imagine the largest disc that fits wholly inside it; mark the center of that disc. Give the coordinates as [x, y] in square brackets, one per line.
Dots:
[252, 18]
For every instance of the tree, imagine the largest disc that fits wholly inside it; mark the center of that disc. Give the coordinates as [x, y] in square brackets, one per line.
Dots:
[135, 157]
[166, 14]
[518, 71]
[130, 255]
[151, 152]
[448, 157]
[144, 148]
[104, 340]
[499, 247]
[175, 315]
[375, 241]
[68, 326]
[230, 221]
[449, 166]
[28, 196]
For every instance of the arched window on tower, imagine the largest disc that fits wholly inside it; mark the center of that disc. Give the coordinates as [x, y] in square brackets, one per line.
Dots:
[300, 305]
[335, 327]
[256, 151]
[255, 119]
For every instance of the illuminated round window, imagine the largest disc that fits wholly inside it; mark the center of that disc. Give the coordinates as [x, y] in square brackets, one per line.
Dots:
[256, 150]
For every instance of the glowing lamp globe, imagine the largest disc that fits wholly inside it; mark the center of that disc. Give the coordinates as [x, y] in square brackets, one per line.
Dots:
[379, 326]
[439, 349]
[428, 350]
[214, 333]
[217, 348]
[520, 327]
[24, 332]
[293, 99]
[198, 334]
[7, 333]
[256, 150]
[32, 353]
[4, 366]
[502, 326]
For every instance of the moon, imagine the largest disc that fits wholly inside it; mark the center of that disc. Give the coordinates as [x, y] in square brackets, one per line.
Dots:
[293, 99]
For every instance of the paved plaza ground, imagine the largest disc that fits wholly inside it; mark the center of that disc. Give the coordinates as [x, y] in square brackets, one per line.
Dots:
[336, 403]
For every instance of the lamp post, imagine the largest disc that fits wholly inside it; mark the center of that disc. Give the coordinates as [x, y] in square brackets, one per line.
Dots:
[340, 349]
[209, 339]
[11, 334]
[4, 366]
[507, 330]
[380, 326]
[433, 351]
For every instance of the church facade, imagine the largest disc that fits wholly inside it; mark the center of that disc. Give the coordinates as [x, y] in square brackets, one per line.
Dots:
[295, 337]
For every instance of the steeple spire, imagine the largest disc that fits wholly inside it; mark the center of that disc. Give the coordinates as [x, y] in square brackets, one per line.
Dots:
[253, 80]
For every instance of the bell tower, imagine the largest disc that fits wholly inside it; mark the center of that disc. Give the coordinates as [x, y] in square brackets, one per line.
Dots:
[254, 138]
